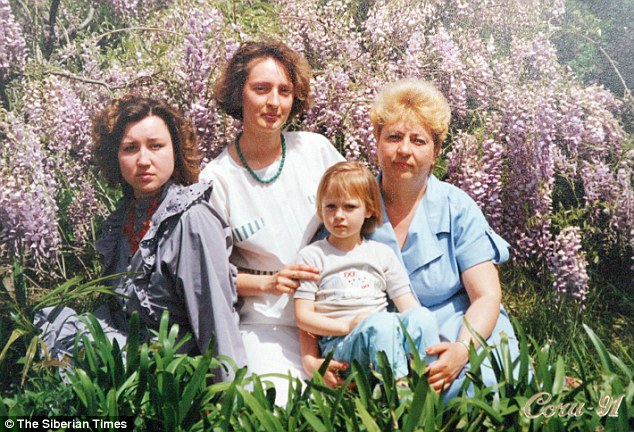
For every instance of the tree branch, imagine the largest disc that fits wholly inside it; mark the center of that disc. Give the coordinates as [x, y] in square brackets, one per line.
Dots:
[4, 98]
[50, 29]
[84, 79]
[127, 29]
[627, 94]
[86, 23]
[101, 83]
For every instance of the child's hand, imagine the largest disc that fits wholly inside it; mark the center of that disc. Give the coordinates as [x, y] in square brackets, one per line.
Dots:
[356, 320]
[331, 377]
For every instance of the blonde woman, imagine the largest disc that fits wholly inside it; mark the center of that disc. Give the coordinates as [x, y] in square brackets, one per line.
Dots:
[439, 233]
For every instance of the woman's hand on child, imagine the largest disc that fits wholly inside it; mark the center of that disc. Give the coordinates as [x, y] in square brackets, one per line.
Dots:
[452, 357]
[287, 280]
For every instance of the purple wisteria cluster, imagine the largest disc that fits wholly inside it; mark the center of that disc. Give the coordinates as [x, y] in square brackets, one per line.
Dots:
[28, 210]
[568, 265]
[201, 55]
[480, 177]
[523, 125]
[60, 114]
[343, 89]
[610, 198]
[387, 41]
[449, 71]
[12, 44]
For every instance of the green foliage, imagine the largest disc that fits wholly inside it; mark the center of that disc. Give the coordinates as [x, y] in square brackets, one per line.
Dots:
[595, 41]
[20, 306]
[254, 16]
[163, 390]
[559, 321]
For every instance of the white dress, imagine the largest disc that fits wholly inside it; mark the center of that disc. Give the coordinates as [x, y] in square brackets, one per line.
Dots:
[270, 224]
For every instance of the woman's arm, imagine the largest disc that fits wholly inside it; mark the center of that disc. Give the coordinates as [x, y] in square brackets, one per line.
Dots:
[313, 322]
[285, 281]
[202, 275]
[482, 284]
[483, 288]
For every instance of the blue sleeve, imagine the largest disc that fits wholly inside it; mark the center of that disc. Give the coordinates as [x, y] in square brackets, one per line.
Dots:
[474, 240]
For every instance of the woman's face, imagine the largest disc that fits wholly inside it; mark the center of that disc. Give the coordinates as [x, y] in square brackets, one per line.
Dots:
[406, 150]
[267, 97]
[146, 156]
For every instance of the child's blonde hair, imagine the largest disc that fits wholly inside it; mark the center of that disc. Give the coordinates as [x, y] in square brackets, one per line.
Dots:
[352, 180]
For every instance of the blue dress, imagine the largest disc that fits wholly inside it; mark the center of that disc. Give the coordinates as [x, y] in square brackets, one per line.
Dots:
[448, 235]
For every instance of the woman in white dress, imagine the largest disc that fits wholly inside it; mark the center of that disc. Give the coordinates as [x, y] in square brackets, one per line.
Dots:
[265, 185]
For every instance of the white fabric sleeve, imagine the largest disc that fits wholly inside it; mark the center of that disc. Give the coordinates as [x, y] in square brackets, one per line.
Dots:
[396, 277]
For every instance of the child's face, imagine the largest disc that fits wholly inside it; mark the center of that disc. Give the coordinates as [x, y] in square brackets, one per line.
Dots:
[343, 216]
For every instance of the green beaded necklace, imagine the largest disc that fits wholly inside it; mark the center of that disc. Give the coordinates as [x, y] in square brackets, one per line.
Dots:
[246, 165]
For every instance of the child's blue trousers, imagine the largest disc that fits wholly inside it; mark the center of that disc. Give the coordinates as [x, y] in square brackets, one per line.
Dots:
[382, 331]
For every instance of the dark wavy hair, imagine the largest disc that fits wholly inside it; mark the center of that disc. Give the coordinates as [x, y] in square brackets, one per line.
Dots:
[229, 87]
[109, 124]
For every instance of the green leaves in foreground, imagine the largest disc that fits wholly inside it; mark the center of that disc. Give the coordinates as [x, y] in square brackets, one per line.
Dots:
[16, 302]
[164, 390]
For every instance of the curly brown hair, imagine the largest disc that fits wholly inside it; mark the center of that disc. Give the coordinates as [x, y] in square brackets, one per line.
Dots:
[229, 87]
[109, 124]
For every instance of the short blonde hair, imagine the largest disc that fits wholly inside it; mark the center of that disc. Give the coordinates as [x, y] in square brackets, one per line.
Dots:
[352, 180]
[412, 97]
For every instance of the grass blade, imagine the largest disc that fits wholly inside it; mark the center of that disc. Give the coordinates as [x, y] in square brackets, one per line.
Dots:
[366, 418]
[606, 361]
[194, 385]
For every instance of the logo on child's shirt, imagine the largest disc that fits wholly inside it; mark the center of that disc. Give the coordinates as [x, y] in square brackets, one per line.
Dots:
[351, 284]
[356, 279]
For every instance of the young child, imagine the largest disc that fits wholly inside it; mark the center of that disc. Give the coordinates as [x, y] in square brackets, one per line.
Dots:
[348, 306]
